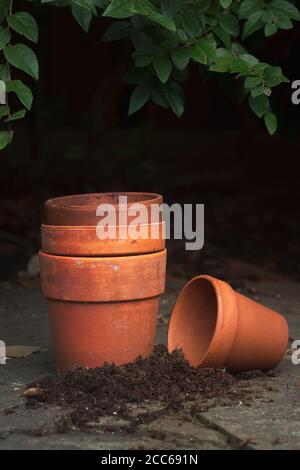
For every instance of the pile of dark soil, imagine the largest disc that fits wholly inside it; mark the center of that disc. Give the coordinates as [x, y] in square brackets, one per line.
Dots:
[164, 378]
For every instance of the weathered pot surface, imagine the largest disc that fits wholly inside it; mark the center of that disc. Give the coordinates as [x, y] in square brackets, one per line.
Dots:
[84, 241]
[218, 327]
[104, 279]
[92, 334]
[102, 309]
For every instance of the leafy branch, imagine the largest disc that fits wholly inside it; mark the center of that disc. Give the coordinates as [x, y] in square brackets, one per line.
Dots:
[16, 56]
[166, 35]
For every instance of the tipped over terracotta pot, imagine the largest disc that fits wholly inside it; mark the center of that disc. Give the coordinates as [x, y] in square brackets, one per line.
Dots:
[102, 309]
[216, 326]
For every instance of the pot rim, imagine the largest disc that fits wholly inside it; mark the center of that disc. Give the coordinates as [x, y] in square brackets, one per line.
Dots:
[113, 259]
[50, 227]
[103, 278]
[69, 202]
[226, 325]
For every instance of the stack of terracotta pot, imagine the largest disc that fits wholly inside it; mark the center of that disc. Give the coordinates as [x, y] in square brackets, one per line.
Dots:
[103, 295]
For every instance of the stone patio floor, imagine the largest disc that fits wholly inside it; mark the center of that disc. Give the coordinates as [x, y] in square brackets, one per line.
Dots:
[272, 422]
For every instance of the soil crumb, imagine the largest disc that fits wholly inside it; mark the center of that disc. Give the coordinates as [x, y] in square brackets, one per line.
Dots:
[163, 378]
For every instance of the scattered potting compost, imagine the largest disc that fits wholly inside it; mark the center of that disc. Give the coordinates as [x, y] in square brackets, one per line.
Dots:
[163, 381]
[149, 231]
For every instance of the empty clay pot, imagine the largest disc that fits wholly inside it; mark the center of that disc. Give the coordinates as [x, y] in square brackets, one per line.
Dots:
[80, 210]
[92, 334]
[83, 241]
[102, 309]
[218, 327]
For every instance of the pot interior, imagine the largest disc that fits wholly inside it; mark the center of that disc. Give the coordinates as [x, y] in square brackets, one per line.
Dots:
[193, 321]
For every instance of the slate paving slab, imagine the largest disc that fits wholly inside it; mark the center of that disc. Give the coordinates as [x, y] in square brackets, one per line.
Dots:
[272, 421]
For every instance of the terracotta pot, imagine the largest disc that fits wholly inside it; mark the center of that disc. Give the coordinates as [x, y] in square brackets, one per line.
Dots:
[102, 309]
[80, 210]
[91, 334]
[83, 241]
[102, 279]
[218, 327]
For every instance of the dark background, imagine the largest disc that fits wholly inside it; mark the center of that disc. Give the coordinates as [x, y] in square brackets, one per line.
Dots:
[78, 138]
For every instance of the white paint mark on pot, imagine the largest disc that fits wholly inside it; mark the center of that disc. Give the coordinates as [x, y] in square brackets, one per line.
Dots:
[115, 267]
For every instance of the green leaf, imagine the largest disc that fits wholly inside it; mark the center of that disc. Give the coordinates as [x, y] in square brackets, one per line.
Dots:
[241, 67]
[270, 29]
[119, 9]
[229, 24]
[143, 42]
[198, 53]
[122, 9]
[5, 139]
[223, 36]
[237, 48]
[180, 57]
[249, 7]
[222, 65]
[146, 8]
[225, 3]
[4, 9]
[258, 91]
[22, 91]
[17, 115]
[254, 23]
[285, 7]
[82, 16]
[284, 22]
[162, 66]
[116, 31]
[223, 62]
[273, 76]
[250, 59]
[146, 50]
[4, 111]
[23, 58]
[139, 97]
[88, 5]
[209, 46]
[170, 7]
[259, 105]
[271, 122]
[23, 23]
[101, 3]
[190, 23]
[4, 71]
[252, 82]
[4, 37]
[159, 95]
[175, 98]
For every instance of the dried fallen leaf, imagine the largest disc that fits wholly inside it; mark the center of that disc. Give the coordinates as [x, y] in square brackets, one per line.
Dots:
[25, 280]
[33, 392]
[19, 351]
